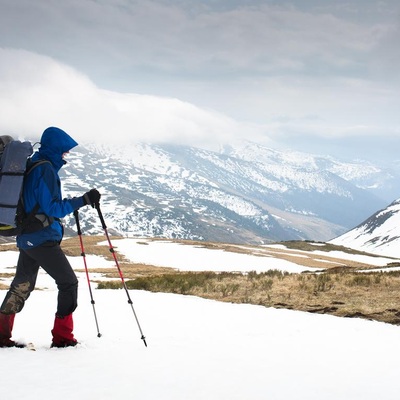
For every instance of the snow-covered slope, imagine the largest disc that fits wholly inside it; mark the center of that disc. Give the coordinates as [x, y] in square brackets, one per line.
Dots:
[379, 234]
[244, 195]
[200, 350]
[197, 349]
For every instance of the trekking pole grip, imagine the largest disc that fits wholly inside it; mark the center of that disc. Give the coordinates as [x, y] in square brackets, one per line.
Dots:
[78, 225]
[103, 223]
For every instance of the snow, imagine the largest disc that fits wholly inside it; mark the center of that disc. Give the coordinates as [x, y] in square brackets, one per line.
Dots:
[197, 349]
[195, 258]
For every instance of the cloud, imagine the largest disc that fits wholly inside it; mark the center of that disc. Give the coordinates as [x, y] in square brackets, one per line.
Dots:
[36, 92]
[202, 73]
[194, 38]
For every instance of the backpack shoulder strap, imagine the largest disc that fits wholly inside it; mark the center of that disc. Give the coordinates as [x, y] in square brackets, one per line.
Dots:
[31, 216]
[33, 164]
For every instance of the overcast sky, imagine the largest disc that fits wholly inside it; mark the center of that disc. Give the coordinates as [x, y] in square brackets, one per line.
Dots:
[319, 76]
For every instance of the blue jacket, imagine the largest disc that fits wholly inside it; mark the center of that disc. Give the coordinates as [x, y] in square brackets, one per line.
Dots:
[42, 186]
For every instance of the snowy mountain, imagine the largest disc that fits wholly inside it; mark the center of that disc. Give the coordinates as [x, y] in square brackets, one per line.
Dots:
[247, 194]
[382, 180]
[379, 234]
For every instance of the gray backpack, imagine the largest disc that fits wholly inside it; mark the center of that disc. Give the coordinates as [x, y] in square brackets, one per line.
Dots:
[13, 161]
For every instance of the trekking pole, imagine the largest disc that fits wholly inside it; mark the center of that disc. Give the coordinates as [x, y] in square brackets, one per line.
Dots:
[111, 248]
[78, 226]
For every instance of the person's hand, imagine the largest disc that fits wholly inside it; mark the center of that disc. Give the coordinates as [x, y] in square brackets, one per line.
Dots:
[92, 197]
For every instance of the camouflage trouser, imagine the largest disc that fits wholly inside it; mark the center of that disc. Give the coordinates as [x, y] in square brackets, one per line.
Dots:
[52, 259]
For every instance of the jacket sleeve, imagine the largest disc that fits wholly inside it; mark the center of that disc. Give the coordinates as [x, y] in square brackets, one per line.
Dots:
[47, 193]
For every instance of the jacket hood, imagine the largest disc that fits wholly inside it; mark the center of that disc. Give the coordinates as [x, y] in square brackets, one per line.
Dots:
[53, 144]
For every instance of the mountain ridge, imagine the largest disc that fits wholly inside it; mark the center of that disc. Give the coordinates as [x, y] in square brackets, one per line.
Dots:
[378, 234]
[242, 195]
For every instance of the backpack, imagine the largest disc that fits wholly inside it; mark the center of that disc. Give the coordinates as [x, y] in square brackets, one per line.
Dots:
[14, 167]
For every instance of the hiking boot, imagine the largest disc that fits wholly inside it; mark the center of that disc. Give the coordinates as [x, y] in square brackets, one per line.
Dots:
[10, 343]
[64, 343]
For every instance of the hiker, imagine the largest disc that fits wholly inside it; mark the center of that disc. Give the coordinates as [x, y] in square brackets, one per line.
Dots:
[39, 243]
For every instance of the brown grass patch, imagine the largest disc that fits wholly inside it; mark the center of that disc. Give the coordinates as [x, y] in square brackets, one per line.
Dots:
[374, 296]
